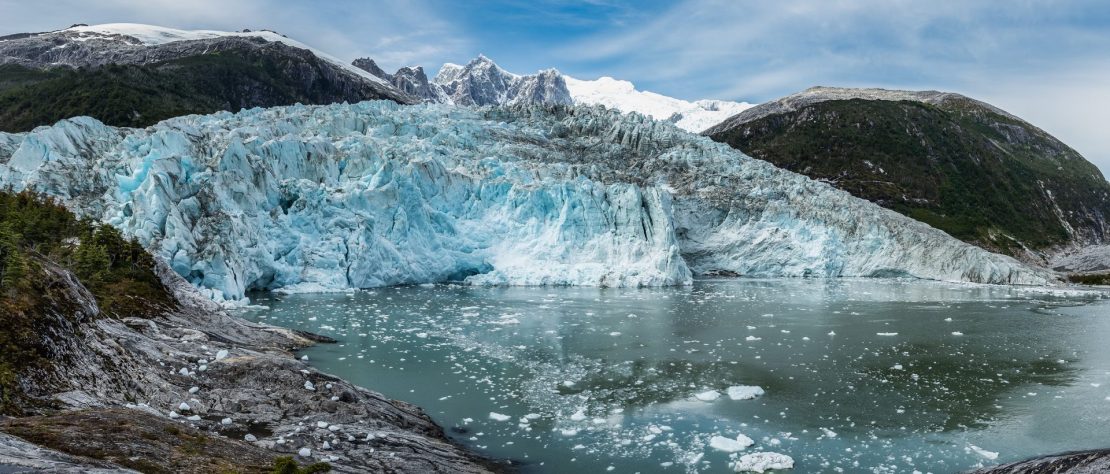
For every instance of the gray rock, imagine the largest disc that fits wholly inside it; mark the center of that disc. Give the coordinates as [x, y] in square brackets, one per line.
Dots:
[134, 363]
[1082, 462]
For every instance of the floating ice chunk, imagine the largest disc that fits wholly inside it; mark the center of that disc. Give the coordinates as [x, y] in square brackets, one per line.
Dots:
[730, 445]
[897, 367]
[222, 354]
[886, 334]
[752, 338]
[568, 432]
[708, 395]
[828, 433]
[762, 462]
[615, 333]
[578, 415]
[744, 392]
[957, 333]
[832, 333]
[304, 357]
[991, 455]
[499, 417]
[947, 320]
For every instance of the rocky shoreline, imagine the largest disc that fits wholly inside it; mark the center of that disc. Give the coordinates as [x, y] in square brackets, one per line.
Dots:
[199, 390]
[1079, 462]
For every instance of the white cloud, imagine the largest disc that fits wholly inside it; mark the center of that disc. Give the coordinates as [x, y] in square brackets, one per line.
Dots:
[1037, 58]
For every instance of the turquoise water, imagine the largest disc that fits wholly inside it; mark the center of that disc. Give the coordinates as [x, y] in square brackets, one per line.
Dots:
[859, 375]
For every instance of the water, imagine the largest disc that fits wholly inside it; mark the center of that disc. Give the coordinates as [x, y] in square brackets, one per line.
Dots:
[860, 375]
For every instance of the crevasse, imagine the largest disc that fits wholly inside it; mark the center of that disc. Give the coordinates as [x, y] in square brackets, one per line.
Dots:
[352, 196]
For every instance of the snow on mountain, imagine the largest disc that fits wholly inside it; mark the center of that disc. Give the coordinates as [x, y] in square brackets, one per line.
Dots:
[622, 95]
[483, 82]
[479, 82]
[375, 193]
[151, 35]
[819, 94]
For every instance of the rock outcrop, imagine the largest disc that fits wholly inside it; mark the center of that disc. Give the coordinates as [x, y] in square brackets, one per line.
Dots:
[198, 390]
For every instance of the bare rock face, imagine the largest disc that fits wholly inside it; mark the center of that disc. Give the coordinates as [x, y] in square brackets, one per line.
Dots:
[19, 456]
[1082, 462]
[201, 376]
[480, 82]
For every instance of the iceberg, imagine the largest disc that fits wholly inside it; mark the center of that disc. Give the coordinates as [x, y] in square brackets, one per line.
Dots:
[318, 198]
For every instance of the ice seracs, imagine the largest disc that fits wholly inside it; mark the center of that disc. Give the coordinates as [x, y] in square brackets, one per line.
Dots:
[375, 193]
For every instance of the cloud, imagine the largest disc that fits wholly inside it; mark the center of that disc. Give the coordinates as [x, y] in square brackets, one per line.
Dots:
[1042, 60]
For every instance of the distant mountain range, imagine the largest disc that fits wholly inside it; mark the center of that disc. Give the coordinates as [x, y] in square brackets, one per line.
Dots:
[483, 82]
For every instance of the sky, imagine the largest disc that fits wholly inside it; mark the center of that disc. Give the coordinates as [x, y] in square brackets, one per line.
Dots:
[1047, 61]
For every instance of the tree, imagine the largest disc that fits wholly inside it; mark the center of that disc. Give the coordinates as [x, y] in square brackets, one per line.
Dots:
[92, 262]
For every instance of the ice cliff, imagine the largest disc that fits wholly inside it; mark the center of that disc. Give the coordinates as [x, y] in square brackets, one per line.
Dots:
[372, 194]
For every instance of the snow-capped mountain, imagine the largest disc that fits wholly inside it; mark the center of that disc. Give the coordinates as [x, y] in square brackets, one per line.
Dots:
[479, 82]
[483, 82]
[376, 193]
[622, 95]
[136, 44]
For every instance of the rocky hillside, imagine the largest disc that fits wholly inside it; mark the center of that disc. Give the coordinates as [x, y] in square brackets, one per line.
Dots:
[963, 166]
[137, 75]
[110, 361]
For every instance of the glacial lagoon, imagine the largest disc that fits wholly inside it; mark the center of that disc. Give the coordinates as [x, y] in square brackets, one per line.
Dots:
[857, 375]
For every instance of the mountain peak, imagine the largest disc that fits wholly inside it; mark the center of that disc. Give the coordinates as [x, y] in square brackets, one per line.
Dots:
[368, 65]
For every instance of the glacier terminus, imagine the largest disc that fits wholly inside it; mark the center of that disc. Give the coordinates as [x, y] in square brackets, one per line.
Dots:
[333, 197]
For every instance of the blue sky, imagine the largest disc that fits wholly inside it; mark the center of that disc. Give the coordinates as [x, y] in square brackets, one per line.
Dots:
[1046, 61]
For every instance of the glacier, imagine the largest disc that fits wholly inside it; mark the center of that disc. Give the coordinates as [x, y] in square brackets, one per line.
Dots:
[311, 198]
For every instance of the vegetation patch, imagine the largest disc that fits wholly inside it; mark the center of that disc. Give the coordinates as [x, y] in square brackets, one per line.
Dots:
[980, 176]
[142, 95]
[40, 241]
[149, 443]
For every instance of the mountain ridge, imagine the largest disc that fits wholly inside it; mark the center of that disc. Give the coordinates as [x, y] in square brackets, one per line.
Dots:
[962, 165]
[482, 82]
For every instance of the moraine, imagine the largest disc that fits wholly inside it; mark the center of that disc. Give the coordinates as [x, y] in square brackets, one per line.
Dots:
[639, 379]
